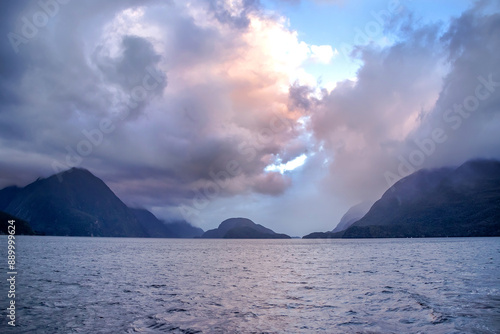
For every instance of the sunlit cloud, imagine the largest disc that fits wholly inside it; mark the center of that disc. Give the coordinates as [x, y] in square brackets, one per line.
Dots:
[244, 85]
[288, 166]
[322, 53]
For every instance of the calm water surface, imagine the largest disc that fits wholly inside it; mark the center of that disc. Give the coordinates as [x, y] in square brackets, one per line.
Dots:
[115, 285]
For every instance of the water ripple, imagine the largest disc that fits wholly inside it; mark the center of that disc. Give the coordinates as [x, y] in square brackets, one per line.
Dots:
[100, 285]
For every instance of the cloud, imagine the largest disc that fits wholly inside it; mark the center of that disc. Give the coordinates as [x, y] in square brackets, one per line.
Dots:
[187, 92]
[325, 2]
[323, 53]
[182, 107]
[272, 183]
[402, 95]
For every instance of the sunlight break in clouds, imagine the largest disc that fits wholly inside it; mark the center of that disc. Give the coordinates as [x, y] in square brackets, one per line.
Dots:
[234, 91]
[288, 166]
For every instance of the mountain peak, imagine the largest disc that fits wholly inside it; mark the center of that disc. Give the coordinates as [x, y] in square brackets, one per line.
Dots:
[242, 228]
[78, 169]
[74, 171]
[352, 215]
[74, 202]
[461, 201]
[479, 167]
[443, 202]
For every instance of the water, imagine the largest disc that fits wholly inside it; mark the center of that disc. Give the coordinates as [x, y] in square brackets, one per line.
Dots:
[115, 285]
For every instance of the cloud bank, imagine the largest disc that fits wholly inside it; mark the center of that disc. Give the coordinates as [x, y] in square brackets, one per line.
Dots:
[180, 106]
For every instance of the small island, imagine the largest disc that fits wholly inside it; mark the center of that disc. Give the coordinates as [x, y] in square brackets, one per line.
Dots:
[242, 228]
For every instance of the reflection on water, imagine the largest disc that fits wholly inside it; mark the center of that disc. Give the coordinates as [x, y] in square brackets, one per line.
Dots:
[101, 285]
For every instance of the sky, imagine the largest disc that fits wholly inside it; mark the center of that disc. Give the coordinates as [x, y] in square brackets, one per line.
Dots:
[284, 112]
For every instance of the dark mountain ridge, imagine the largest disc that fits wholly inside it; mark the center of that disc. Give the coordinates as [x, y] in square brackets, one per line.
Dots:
[444, 202]
[242, 228]
[156, 228]
[20, 226]
[77, 203]
[352, 215]
[74, 203]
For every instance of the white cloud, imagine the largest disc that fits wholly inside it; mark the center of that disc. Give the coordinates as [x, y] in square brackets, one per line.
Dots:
[286, 167]
[322, 54]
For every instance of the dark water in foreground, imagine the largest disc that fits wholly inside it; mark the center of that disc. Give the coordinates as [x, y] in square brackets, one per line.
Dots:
[101, 285]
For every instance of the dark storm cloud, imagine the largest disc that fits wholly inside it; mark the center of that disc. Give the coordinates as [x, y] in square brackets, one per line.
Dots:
[50, 90]
[238, 20]
[219, 111]
[300, 97]
[127, 69]
[271, 183]
[83, 67]
[12, 64]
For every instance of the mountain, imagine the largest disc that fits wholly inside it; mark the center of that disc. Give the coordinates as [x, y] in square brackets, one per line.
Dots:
[352, 215]
[152, 225]
[184, 230]
[21, 226]
[74, 203]
[242, 228]
[460, 202]
[7, 195]
[445, 202]
[157, 228]
[77, 203]
[324, 235]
